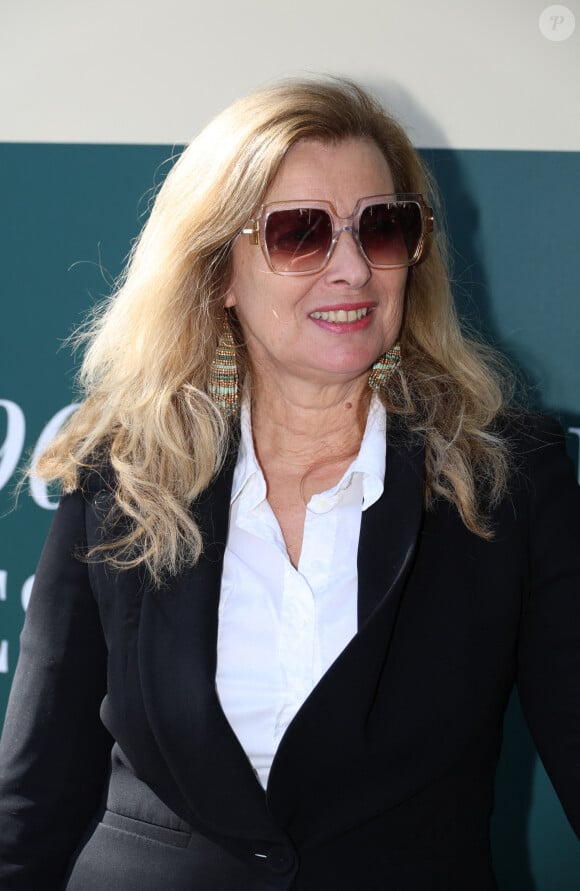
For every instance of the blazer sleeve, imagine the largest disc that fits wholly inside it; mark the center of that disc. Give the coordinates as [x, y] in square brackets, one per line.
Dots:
[54, 751]
[549, 645]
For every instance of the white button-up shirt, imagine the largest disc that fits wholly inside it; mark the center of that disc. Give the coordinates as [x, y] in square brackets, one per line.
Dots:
[280, 628]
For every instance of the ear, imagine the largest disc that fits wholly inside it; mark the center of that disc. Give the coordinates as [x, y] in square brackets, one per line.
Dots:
[230, 298]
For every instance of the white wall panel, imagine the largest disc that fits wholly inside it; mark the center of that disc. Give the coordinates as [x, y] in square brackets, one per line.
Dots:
[459, 73]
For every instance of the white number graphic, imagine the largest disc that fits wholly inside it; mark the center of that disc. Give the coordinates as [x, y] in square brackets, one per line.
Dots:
[11, 448]
[3, 657]
[25, 592]
[38, 488]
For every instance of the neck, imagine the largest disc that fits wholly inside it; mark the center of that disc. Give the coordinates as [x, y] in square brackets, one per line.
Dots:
[296, 423]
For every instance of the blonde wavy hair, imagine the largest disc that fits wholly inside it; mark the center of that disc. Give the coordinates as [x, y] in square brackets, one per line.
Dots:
[146, 410]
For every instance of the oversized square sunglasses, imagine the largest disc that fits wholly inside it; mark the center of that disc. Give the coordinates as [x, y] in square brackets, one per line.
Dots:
[298, 237]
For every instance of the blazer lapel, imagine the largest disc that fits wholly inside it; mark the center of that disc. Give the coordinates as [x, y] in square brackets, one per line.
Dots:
[389, 528]
[177, 664]
[332, 721]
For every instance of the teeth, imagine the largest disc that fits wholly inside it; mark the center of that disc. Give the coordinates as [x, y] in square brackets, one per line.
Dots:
[341, 315]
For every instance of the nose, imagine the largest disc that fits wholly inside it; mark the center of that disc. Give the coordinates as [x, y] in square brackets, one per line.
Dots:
[347, 264]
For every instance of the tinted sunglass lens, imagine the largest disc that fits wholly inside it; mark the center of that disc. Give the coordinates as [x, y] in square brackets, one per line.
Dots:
[390, 234]
[298, 240]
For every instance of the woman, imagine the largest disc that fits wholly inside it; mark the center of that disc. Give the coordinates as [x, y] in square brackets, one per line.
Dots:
[301, 642]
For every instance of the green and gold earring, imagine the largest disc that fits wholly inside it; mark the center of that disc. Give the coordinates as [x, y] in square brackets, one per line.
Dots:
[223, 383]
[384, 368]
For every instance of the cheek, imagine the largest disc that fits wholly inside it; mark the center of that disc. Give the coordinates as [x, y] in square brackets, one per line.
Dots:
[394, 292]
[395, 288]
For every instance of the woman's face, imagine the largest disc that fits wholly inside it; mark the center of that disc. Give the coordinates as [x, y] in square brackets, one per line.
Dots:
[279, 315]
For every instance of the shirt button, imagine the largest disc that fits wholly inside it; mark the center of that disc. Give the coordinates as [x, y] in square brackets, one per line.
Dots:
[277, 859]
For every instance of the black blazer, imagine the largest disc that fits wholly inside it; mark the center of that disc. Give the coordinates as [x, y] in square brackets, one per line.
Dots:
[383, 780]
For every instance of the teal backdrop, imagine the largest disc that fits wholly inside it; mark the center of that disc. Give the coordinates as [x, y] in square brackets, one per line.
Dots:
[69, 215]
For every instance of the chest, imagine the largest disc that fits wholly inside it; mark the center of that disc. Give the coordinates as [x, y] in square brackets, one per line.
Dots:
[290, 491]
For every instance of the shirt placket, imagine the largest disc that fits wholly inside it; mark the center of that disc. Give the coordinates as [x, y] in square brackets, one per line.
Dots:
[297, 645]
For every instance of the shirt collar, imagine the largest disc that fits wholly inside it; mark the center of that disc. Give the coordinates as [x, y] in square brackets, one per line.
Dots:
[371, 459]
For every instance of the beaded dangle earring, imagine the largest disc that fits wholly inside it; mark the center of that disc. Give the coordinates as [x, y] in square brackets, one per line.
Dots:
[223, 383]
[384, 367]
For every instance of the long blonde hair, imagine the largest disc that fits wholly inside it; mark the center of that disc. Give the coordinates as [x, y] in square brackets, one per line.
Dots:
[144, 378]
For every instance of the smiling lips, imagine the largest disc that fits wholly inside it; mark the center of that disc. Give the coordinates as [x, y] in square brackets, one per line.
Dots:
[341, 315]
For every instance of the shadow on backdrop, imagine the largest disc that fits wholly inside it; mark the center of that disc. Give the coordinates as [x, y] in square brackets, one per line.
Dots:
[515, 776]
[514, 781]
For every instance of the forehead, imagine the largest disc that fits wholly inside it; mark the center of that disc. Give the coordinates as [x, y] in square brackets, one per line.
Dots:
[340, 172]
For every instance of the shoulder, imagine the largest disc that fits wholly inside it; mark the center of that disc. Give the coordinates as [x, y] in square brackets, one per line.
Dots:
[528, 431]
[532, 439]
[541, 467]
[94, 492]
[97, 476]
